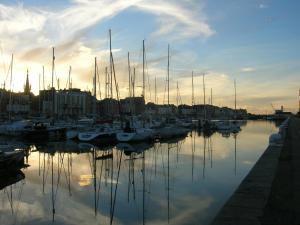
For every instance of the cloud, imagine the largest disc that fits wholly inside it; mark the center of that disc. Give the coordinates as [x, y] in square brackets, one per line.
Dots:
[30, 33]
[177, 19]
[248, 69]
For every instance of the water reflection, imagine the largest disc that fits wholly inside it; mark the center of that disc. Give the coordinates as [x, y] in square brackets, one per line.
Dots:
[177, 181]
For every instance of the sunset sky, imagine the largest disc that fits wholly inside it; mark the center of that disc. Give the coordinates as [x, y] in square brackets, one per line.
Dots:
[255, 42]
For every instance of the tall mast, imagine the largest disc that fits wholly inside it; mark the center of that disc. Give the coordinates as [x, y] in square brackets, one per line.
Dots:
[106, 83]
[39, 94]
[211, 98]
[43, 78]
[53, 102]
[133, 83]
[95, 79]
[129, 77]
[111, 66]
[53, 61]
[177, 93]
[193, 97]
[144, 68]
[235, 95]
[204, 97]
[70, 70]
[155, 100]
[10, 93]
[168, 74]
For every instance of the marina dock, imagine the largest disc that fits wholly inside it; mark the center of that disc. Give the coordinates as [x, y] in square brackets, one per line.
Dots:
[269, 194]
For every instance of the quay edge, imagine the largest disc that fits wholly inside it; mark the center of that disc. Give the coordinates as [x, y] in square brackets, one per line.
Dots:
[248, 202]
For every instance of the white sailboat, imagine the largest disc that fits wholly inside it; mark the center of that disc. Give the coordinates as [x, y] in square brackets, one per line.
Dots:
[132, 133]
[170, 129]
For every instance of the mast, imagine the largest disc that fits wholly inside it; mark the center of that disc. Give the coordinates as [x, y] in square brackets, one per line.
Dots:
[95, 87]
[129, 77]
[144, 69]
[193, 97]
[43, 78]
[204, 97]
[111, 65]
[98, 82]
[211, 98]
[70, 70]
[10, 93]
[234, 99]
[106, 83]
[177, 93]
[95, 79]
[39, 94]
[133, 83]
[168, 76]
[53, 100]
[115, 79]
[155, 97]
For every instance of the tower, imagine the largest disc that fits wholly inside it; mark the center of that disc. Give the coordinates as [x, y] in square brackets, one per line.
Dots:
[27, 86]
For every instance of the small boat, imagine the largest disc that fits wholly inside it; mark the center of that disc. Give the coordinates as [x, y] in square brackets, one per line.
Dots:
[101, 135]
[5, 147]
[11, 160]
[15, 128]
[227, 126]
[43, 130]
[135, 135]
[133, 147]
[171, 130]
[10, 178]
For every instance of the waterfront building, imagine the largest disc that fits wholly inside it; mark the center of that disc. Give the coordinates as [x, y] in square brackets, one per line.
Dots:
[72, 103]
[133, 105]
[108, 108]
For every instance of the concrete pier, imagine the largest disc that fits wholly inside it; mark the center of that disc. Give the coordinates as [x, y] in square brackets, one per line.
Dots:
[270, 193]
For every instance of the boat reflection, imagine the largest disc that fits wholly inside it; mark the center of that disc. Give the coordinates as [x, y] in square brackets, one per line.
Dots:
[134, 183]
[11, 184]
[134, 147]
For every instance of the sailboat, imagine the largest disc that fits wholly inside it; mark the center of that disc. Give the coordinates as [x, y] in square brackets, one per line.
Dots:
[130, 132]
[171, 128]
[11, 160]
[103, 134]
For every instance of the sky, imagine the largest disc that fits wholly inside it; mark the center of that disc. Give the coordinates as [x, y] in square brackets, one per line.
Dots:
[253, 42]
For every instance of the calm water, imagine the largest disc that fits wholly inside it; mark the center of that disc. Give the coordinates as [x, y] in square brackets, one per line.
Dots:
[182, 182]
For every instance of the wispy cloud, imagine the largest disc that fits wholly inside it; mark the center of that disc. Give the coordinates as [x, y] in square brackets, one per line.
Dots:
[176, 18]
[248, 69]
[30, 32]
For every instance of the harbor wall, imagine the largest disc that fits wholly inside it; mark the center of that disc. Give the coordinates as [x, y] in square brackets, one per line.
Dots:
[247, 203]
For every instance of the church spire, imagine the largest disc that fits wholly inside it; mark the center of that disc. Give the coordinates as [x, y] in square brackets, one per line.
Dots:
[27, 86]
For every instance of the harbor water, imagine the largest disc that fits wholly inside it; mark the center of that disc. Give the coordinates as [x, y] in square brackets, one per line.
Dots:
[178, 181]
